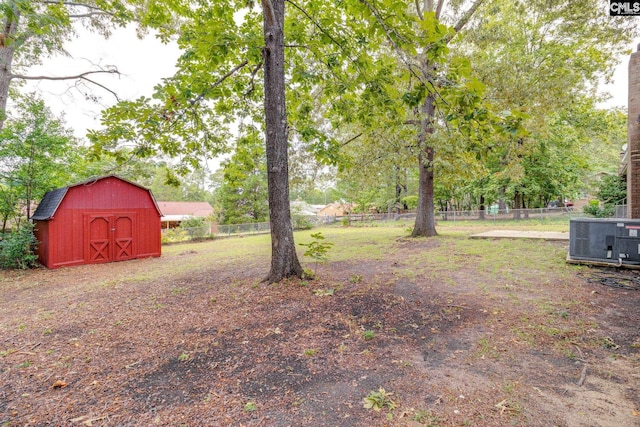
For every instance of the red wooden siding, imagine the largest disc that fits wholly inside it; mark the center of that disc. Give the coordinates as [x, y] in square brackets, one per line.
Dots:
[106, 220]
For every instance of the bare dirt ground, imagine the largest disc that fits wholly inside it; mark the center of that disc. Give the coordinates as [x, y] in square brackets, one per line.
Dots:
[173, 341]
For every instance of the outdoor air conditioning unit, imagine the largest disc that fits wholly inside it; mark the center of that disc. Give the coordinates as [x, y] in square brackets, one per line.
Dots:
[604, 241]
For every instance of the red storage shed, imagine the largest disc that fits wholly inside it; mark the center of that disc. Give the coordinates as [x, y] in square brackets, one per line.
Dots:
[102, 220]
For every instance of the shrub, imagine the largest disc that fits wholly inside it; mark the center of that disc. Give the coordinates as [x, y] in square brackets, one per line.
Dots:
[192, 222]
[612, 191]
[300, 222]
[17, 249]
[195, 227]
[593, 208]
[174, 235]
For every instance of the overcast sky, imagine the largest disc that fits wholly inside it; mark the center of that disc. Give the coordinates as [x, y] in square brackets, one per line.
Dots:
[619, 88]
[142, 64]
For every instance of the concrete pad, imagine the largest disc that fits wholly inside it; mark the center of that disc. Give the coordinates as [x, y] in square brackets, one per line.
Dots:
[521, 234]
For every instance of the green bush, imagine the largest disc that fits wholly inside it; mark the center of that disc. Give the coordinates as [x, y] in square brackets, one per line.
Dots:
[612, 191]
[300, 222]
[195, 227]
[174, 235]
[17, 249]
[593, 208]
[192, 222]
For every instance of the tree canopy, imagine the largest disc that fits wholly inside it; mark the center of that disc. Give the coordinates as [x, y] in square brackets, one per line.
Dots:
[507, 100]
[37, 154]
[243, 194]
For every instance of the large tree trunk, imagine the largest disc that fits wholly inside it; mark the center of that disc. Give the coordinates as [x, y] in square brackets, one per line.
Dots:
[425, 224]
[284, 260]
[7, 50]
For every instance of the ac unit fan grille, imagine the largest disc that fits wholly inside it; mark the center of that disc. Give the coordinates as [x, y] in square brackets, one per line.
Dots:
[583, 231]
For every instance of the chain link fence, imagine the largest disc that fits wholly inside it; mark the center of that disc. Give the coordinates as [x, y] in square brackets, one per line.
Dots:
[252, 228]
[468, 215]
[507, 214]
[211, 230]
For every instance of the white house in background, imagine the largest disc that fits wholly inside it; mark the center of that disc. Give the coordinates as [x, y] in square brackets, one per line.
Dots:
[299, 207]
[175, 212]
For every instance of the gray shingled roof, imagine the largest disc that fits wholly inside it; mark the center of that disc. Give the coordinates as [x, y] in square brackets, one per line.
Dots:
[49, 204]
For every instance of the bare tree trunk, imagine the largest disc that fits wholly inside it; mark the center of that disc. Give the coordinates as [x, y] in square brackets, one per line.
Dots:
[7, 49]
[481, 209]
[401, 190]
[516, 204]
[284, 260]
[425, 224]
